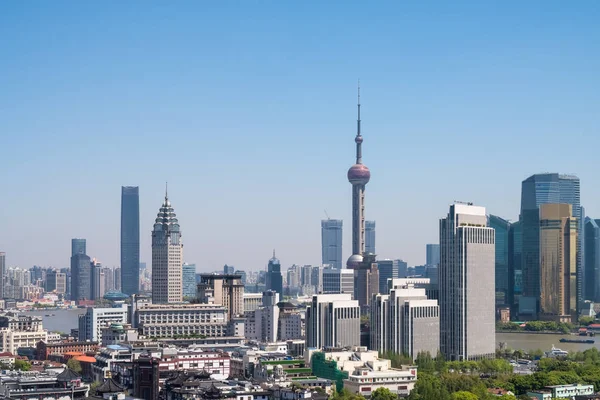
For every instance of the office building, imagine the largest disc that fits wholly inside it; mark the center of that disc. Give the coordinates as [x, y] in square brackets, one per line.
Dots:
[366, 281]
[224, 290]
[18, 331]
[503, 266]
[2, 273]
[81, 277]
[405, 321]
[358, 175]
[432, 254]
[167, 257]
[388, 269]
[117, 278]
[78, 246]
[331, 242]
[50, 284]
[189, 281]
[332, 320]
[97, 280]
[558, 272]
[274, 279]
[263, 323]
[592, 259]
[109, 279]
[370, 237]
[243, 275]
[228, 269]
[130, 239]
[95, 319]
[466, 281]
[538, 189]
[337, 281]
[515, 258]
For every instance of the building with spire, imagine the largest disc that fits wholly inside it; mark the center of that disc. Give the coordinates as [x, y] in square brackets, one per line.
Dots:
[167, 256]
[274, 279]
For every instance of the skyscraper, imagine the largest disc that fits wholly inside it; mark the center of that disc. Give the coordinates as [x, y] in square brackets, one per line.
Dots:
[388, 269]
[228, 269]
[189, 280]
[370, 237]
[2, 272]
[503, 270]
[331, 242]
[558, 273]
[358, 175]
[466, 284]
[515, 250]
[592, 259]
[536, 190]
[130, 239]
[78, 246]
[332, 320]
[167, 256]
[81, 277]
[274, 279]
[432, 256]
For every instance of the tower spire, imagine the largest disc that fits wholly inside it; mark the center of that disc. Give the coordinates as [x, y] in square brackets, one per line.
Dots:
[166, 190]
[358, 139]
[358, 120]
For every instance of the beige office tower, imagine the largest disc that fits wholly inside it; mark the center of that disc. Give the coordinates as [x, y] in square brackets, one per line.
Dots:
[558, 262]
[224, 289]
[167, 257]
[467, 284]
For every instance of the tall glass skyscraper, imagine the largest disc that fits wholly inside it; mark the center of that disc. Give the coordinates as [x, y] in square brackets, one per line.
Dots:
[274, 279]
[432, 254]
[331, 242]
[515, 253]
[130, 239]
[189, 281]
[592, 259]
[2, 272]
[502, 271]
[370, 237]
[78, 246]
[538, 189]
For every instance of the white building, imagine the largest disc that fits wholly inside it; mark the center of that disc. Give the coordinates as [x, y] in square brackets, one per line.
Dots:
[252, 301]
[405, 321]
[337, 281]
[92, 322]
[262, 324]
[332, 320]
[117, 333]
[467, 285]
[562, 392]
[20, 331]
[167, 257]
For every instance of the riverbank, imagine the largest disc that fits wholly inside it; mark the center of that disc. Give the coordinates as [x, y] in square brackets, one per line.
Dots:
[535, 332]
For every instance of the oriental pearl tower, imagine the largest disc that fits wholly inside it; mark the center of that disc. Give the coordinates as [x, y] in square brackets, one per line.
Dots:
[359, 176]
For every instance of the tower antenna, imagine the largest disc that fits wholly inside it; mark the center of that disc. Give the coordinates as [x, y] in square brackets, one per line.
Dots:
[167, 190]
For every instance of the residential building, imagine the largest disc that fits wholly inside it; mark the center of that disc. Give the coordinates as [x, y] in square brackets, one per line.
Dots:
[332, 320]
[130, 239]
[466, 280]
[370, 237]
[78, 246]
[167, 257]
[538, 189]
[274, 279]
[331, 242]
[92, 322]
[338, 281]
[558, 262]
[503, 268]
[405, 321]
[189, 281]
[81, 277]
[432, 254]
[225, 290]
[592, 259]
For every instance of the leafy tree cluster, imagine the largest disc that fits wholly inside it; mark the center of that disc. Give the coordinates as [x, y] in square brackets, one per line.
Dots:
[74, 365]
[22, 365]
[537, 326]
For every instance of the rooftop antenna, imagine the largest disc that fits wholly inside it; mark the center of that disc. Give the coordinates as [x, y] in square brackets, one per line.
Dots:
[327, 215]
[166, 190]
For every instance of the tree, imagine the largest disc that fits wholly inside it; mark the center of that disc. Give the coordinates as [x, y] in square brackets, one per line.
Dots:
[585, 321]
[22, 365]
[74, 365]
[464, 396]
[425, 362]
[93, 387]
[383, 394]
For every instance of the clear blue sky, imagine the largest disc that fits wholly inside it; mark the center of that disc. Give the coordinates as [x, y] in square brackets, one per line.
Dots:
[248, 110]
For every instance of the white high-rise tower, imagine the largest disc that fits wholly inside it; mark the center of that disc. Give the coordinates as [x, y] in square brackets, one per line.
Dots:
[167, 256]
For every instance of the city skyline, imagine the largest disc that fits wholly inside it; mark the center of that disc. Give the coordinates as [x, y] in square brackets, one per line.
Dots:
[529, 87]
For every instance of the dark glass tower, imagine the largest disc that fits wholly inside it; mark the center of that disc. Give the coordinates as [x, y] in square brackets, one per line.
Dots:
[502, 270]
[274, 279]
[592, 259]
[81, 277]
[78, 246]
[130, 239]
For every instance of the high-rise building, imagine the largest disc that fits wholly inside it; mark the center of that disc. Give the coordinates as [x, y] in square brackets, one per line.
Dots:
[337, 281]
[332, 320]
[358, 175]
[243, 275]
[538, 189]
[78, 246]
[388, 269]
[81, 277]
[97, 280]
[130, 239]
[366, 281]
[225, 290]
[167, 256]
[503, 264]
[592, 259]
[2, 273]
[92, 322]
[466, 284]
[228, 269]
[331, 242]
[558, 272]
[432, 254]
[117, 278]
[274, 279]
[515, 258]
[370, 237]
[405, 321]
[189, 281]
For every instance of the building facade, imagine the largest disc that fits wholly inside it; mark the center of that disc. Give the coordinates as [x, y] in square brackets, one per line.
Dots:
[81, 277]
[78, 246]
[338, 281]
[503, 269]
[331, 242]
[370, 237]
[130, 239]
[592, 259]
[189, 281]
[2, 273]
[167, 257]
[558, 263]
[388, 269]
[432, 254]
[332, 320]
[466, 284]
[95, 319]
[274, 279]
[225, 290]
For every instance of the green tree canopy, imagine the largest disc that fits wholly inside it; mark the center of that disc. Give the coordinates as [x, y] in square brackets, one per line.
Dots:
[383, 394]
[464, 396]
[74, 365]
[22, 365]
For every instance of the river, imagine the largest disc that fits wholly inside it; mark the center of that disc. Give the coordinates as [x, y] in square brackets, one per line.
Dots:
[61, 321]
[543, 341]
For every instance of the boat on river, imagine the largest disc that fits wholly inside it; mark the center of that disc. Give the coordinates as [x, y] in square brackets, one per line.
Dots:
[555, 352]
[566, 340]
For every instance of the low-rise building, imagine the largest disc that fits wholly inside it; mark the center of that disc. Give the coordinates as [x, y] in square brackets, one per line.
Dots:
[118, 333]
[562, 392]
[46, 385]
[46, 350]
